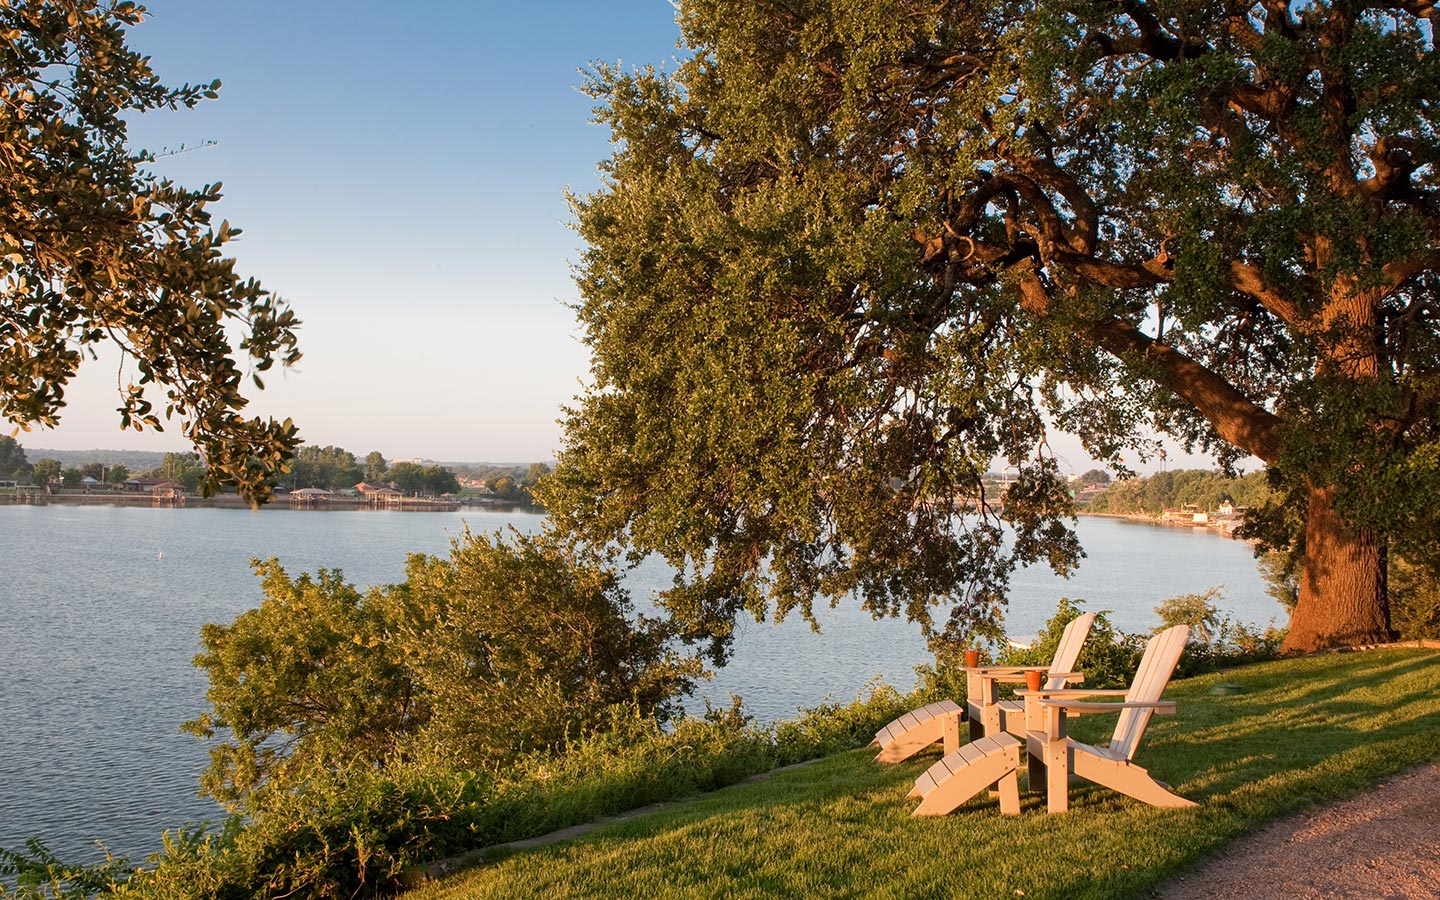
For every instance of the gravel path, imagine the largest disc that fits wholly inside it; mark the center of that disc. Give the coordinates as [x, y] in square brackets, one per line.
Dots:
[1381, 845]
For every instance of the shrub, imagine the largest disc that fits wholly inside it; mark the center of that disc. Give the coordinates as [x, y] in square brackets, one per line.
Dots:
[1414, 598]
[1216, 641]
[1108, 658]
[39, 874]
[519, 645]
[504, 648]
[355, 831]
[307, 675]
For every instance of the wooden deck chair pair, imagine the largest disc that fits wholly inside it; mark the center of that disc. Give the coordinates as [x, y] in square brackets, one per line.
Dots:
[1054, 756]
[988, 715]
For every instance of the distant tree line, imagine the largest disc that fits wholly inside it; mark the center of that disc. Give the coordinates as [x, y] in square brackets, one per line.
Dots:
[510, 483]
[335, 468]
[1206, 490]
[413, 478]
[181, 468]
[330, 468]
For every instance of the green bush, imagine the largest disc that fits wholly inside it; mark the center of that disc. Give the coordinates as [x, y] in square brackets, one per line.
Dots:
[354, 831]
[38, 874]
[1414, 598]
[1216, 642]
[505, 648]
[1108, 658]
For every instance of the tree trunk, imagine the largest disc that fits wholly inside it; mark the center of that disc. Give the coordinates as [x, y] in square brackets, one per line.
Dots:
[1342, 589]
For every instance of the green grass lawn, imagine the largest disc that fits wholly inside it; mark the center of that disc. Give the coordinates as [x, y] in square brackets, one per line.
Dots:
[1304, 731]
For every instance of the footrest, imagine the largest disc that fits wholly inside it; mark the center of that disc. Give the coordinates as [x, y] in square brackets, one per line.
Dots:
[914, 731]
[958, 776]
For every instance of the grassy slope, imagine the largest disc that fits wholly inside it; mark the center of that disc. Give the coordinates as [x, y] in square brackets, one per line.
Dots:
[1304, 731]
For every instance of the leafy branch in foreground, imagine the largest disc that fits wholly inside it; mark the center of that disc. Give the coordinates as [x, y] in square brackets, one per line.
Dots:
[96, 248]
[41, 875]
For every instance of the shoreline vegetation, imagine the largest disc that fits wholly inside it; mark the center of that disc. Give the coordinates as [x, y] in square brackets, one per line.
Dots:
[413, 824]
[1218, 750]
[235, 501]
[1183, 498]
[1225, 528]
[317, 478]
[13, 497]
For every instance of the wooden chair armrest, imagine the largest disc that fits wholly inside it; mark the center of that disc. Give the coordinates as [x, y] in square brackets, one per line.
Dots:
[1003, 670]
[1074, 692]
[1077, 708]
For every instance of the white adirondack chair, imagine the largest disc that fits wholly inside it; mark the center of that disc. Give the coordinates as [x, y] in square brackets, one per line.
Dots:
[990, 715]
[1054, 755]
[919, 728]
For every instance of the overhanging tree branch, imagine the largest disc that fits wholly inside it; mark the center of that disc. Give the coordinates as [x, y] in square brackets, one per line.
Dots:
[1235, 417]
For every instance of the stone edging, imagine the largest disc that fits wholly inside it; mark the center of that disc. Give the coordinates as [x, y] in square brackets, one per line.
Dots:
[1398, 645]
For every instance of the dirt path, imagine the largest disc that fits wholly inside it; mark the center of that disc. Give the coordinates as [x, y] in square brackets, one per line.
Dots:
[1381, 845]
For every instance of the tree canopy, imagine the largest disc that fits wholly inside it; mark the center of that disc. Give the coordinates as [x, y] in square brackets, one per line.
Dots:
[328, 467]
[47, 470]
[850, 252]
[375, 465]
[95, 247]
[13, 463]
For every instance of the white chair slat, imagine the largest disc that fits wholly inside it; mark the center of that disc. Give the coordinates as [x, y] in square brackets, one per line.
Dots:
[926, 782]
[1068, 650]
[1158, 663]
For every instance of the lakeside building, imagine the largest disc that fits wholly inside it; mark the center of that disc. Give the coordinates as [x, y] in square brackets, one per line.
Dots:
[310, 497]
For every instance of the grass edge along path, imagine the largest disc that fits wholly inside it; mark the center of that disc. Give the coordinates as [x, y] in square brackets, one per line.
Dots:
[440, 868]
[1303, 732]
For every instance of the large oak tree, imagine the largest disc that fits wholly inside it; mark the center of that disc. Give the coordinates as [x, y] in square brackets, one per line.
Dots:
[852, 251]
[95, 247]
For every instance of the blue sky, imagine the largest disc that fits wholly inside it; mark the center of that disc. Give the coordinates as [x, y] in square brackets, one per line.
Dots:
[399, 171]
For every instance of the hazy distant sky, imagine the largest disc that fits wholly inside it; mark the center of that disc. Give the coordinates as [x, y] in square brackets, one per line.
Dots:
[399, 170]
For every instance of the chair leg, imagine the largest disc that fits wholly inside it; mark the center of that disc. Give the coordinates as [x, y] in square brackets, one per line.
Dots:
[952, 732]
[1010, 794]
[1128, 779]
[1057, 776]
[1034, 774]
[991, 717]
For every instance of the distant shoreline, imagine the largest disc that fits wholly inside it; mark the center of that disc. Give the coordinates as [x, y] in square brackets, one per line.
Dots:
[1215, 527]
[234, 501]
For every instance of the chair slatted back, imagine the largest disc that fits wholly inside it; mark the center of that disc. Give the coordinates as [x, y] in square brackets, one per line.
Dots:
[1068, 650]
[1162, 654]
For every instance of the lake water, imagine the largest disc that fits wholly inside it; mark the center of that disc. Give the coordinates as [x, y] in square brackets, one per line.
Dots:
[101, 608]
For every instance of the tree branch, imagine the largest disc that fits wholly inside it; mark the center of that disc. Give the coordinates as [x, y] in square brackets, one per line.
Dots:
[1236, 418]
[1246, 279]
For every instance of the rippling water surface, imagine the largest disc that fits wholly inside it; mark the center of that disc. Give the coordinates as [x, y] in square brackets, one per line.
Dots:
[101, 608]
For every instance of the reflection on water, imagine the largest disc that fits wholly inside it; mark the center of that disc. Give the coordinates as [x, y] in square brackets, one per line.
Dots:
[101, 610]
